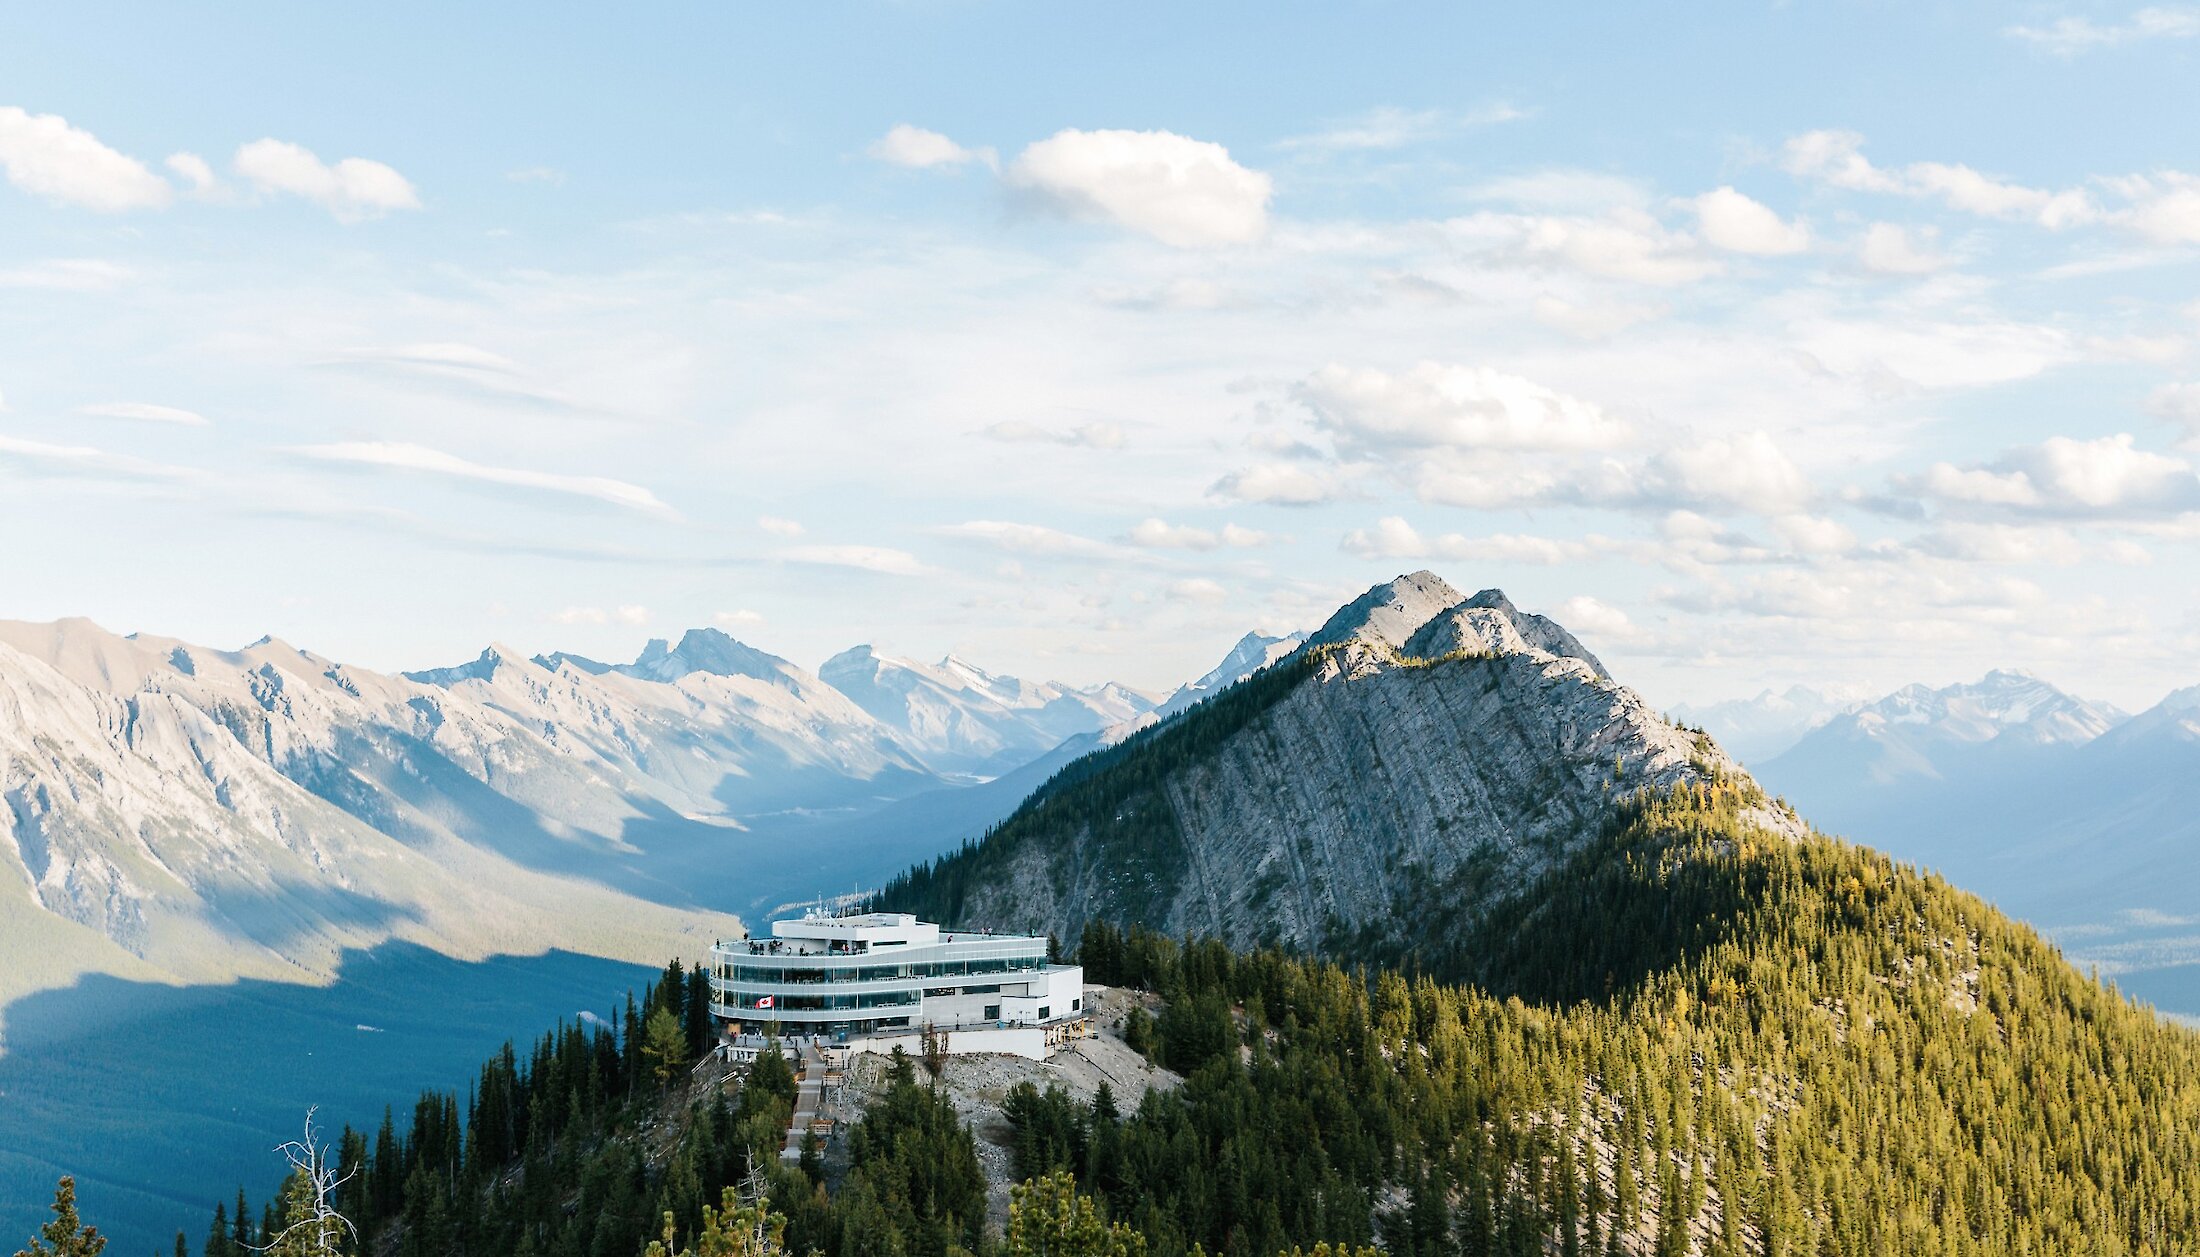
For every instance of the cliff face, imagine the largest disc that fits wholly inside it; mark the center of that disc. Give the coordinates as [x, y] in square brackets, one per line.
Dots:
[1426, 754]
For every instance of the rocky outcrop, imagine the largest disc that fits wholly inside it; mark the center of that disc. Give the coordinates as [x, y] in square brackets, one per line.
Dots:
[1426, 748]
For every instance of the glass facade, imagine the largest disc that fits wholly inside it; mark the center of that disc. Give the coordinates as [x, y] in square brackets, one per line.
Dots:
[765, 972]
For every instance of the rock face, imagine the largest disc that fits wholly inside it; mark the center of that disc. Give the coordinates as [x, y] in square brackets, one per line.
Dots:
[1425, 747]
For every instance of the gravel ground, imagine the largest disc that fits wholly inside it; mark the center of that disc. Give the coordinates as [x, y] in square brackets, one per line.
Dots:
[977, 1084]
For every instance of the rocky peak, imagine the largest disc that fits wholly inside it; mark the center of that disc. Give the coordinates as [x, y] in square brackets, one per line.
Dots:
[1390, 613]
[705, 650]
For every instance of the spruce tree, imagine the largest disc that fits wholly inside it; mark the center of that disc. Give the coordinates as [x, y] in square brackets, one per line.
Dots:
[65, 1234]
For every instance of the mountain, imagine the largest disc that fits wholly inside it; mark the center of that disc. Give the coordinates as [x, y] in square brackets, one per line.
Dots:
[959, 718]
[1756, 729]
[2060, 810]
[1687, 1022]
[182, 813]
[1422, 752]
[1253, 652]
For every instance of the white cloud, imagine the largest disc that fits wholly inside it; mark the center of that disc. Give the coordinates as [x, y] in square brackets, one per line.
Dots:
[920, 149]
[145, 411]
[1584, 614]
[46, 157]
[1095, 436]
[778, 527]
[1437, 405]
[580, 615]
[2069, 36]
[2109, 477]
[2001, 543]
[1393, 538]
[82, 460]
[1625, 244]
[1814, 534]
[631, 615]
[197, 175]
[743, 618]
[2180, 404]
[2166, 207]
[1734, 222]
[866, 558]
[353, 189]
[1594, 320]
[404, 456]
[1889, 249]
[1183, 192]
[1837, 158]
[1159, 534]
[1278, 484]
[1197, 589]
[1747, 471]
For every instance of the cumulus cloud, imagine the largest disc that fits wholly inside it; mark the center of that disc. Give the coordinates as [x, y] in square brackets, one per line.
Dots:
[865, 558]
[743, 618]
[1584, 614]
[1837, 158]
[919, 149]
[1625, 244]
[1159, 534]
[1889, 249]
[197, 174]
[406, 457]
[2165, 207]
[1092, 436]
[46, 157]
[1437, 405]
[352, 189]
[145, 412]
[1277, 484]
[1197, 589]
[1746, 471]
[2070, 36]
[2062, 477]
[1739, 224]
[1183, 192]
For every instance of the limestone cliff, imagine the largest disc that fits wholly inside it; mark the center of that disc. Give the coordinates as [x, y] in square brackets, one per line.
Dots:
[1424, 754]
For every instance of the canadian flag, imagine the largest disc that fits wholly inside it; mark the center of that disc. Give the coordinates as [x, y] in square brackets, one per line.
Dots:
[765, 1002]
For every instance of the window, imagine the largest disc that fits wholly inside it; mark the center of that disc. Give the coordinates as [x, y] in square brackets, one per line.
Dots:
[992, 1012]
[1045, 1012]
[1077, 1005]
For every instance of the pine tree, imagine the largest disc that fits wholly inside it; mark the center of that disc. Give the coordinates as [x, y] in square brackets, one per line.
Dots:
[65, 1235]
[664, 1047]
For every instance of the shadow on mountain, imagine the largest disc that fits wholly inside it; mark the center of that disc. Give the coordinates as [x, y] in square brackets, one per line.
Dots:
[161, 1099]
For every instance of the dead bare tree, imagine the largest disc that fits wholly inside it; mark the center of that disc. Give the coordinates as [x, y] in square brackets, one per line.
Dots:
[313, 1227]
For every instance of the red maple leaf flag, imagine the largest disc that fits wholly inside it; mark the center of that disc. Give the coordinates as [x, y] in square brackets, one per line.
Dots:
[765, 1002]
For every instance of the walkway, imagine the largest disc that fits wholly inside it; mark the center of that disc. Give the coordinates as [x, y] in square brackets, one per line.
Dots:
[808, 1100]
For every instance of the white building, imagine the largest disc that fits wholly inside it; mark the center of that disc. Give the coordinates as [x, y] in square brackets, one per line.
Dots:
[881, 974]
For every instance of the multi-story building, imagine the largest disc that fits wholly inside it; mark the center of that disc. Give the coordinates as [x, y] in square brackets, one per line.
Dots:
[881, 973]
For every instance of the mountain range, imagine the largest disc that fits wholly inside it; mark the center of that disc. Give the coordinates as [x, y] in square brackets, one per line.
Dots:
[2065, 811]
[182, 813]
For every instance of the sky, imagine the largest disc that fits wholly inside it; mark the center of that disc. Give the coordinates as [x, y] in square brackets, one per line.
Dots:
[1837, 344]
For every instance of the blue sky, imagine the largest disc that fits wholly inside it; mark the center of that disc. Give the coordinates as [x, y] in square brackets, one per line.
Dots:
[1835, 343]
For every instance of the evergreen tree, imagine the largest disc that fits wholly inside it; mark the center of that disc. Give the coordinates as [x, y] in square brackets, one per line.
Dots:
[65, 1234]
